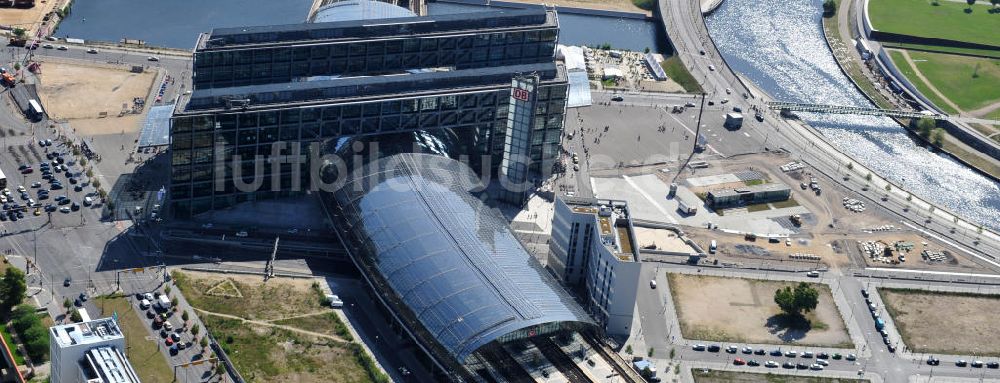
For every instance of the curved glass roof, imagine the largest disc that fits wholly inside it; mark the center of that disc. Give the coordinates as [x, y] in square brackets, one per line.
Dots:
[453, 261]
[348, 10]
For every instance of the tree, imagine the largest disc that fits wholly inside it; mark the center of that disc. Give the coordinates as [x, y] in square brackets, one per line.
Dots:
[195, 329]
[19, 32]
[868, 177]
[67, 304]
[628, 349]
[829, 8]
[970, 2]
[802, 299]
[203, 342]
[12, 288]
[925, 126]
[75, 316]
[888, 187]
[185, 316]
[938, 137]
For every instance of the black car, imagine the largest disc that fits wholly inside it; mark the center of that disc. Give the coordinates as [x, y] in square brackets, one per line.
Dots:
[77, 302]
[714, 348]
[777, 352]
[961, 363]
[78, 188]
[50, 208]
[864, 293]
[822, 355]
[753, 363]
[759, 351]
[56, 186]
[801, 366]
[150, 314]
[72, 180]
[164, 334]
[67, 281]
[977, 364]
[932, 361]
[64, 201]
[993, 365]
[788, 365]
[74, 207]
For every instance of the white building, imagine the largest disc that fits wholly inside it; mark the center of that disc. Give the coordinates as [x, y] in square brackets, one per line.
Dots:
[89, 352]
[592, 251]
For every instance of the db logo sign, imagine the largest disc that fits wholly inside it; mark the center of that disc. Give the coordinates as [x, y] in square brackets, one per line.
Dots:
[520, 94]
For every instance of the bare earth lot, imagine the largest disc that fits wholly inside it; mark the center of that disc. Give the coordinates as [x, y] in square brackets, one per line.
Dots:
[743, 310]
[79, 92]
[276, 331]
[714, 376]
[945, 323]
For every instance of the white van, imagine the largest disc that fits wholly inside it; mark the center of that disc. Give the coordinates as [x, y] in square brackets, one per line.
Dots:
[87, 201]
[713, 247]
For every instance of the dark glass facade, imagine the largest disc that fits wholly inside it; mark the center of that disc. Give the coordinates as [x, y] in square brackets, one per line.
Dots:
[374, 49]
[195, 173]
[224, 135]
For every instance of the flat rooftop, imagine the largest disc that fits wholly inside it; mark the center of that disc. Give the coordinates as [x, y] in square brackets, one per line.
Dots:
[353, 89]
[769, 187]
[339, 31]
[613, 223]
[108, 365]
[95, 331]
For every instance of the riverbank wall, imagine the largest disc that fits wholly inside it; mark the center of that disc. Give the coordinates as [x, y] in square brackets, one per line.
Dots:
[897, 192]
[987, 148]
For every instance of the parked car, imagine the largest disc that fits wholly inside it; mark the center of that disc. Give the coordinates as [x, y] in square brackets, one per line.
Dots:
[144, 304]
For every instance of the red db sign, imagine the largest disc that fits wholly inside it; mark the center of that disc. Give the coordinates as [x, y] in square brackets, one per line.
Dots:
[520, 94]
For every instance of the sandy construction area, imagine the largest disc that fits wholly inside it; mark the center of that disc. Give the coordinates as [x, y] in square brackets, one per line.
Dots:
[29, 18]
[71, 91]
[945, 323]
[743, 310]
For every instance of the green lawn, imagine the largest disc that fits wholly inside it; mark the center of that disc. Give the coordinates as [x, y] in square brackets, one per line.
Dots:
[676, 71]
[943, 49]
[969, 82]
[268, 354]
[18, 358]
[144, 354]
[910, 73]
[947, 20]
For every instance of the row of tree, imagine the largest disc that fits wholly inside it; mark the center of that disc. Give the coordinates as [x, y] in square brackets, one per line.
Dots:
[24, 319]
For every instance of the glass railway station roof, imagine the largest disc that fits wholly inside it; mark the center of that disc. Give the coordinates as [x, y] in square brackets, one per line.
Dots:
[450, 260]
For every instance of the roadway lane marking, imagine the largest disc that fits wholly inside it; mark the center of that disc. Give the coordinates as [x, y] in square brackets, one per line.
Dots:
[649, 198]
[933, 272]
[949, 243]
[692, 133]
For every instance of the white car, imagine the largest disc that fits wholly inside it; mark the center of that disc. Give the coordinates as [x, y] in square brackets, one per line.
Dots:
[813, 274]
[153, 58]
[144, 304]
[711, 68]
[92, 51]
[47, 46]
[242, 234]
[147, 297]
[62, 48]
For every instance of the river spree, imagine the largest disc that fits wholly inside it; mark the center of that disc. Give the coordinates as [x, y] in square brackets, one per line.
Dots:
[174, 23]
[780, 46]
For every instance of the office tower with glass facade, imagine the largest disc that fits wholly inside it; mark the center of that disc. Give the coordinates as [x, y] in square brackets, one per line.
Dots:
[268, 100]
